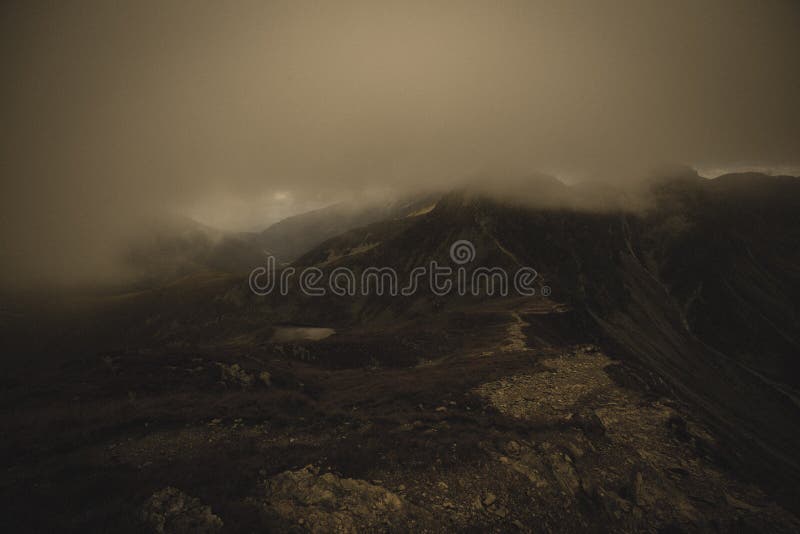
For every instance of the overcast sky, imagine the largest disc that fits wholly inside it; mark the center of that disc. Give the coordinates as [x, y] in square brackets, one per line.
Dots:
[240, 113]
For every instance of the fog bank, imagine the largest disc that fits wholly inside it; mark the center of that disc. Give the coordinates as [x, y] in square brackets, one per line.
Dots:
[244, 113]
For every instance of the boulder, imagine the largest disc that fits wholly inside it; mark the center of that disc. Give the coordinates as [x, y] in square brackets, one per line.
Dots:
[171, 511]
[329, 503]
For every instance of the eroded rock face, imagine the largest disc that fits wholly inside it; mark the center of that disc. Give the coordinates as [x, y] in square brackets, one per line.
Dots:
[171, 511]
[328, 503]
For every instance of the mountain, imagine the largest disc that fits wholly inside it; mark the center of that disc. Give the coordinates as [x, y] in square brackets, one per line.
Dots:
[171, 247]
[293, 236]
[700, 288]
[649, 384]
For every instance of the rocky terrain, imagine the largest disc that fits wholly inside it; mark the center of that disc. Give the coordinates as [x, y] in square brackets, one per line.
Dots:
[504, 434]
[632, 399]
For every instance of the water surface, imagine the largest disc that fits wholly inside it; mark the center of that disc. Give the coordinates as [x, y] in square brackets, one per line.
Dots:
[285, 334]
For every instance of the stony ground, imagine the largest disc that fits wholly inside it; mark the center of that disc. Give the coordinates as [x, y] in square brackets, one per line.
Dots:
[502, 433]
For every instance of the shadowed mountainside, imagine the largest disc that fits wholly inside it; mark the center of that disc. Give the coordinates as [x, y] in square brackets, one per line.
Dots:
[653, 389]
[290, 238]
[701, 287]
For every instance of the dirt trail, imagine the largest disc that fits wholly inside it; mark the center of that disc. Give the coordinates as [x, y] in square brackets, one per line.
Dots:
[516, 336]
[535, 438]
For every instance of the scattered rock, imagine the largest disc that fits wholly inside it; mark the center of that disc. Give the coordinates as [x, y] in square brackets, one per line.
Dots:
[477, 503]
[527, 462]
[500, 511]
[235, 375]
[265, 378]
[613, 504]
[664, 504]
[741, 505]
[512, 448]
[565, 473]
[329, 503]
[591, 424]
[575, 450]
[172, 511]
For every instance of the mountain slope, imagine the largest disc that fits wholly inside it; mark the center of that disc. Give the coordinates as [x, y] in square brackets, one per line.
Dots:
[293, 236]
[701, 289]
[173, 247]
[635, 397]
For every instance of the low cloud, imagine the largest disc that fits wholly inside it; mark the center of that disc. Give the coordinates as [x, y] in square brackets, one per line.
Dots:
[116, 112]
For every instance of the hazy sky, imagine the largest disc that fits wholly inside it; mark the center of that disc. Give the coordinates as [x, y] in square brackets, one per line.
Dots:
[243, 112]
